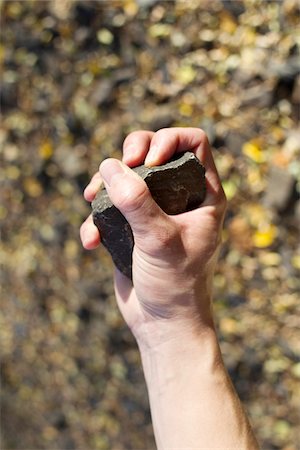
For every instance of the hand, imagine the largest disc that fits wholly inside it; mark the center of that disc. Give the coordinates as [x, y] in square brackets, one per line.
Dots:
[174, 257]
[168, 303]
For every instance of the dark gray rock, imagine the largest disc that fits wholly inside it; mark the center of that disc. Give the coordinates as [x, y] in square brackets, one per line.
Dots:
[259, 96]
[280, 189]
[165, 119]
[103, 93]
[234, 8]
[176, 186]
[234, 142]
[8, 96]
[208, 126]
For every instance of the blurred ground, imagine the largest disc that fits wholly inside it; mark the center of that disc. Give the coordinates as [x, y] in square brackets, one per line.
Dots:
[77, 77]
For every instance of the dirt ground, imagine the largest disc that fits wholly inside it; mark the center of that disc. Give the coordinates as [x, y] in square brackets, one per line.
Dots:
[77, 77]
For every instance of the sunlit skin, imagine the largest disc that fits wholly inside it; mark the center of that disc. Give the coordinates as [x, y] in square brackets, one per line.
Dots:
[168, 304]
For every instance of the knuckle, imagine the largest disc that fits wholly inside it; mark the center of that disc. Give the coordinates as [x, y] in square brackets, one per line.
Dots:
[161, 133]
[132, 137]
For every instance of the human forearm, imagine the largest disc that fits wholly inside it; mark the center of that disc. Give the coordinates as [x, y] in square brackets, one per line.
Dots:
[193, 403]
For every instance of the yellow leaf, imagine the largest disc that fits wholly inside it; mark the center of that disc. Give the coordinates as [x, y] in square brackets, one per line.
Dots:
[264, 236]
[255, 179]
[227, 23]
[186, 109]
[14, 10]
[104, 36]
[186, 74]
[130, 7]
[253, 151]
[296, 261]
[2, 53]
[12, 172]
[228, 325]
[3, 212]
[159, 30]
[32, 187]
[296, 370]
[256, 215]
[282, 429]
[248, 36]
[276, 365]
[270, 259]
[230, 188]
[46, 149]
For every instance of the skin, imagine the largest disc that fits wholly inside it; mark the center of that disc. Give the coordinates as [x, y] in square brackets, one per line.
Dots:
[168, 305]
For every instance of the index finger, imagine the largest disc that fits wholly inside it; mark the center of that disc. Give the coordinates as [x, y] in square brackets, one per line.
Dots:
[168, 141]
[93, 187]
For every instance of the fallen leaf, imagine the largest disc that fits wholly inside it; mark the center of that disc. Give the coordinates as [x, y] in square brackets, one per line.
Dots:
[46, 149]
[185, 74]
[105, 37]
[254, 152]
[264, 236]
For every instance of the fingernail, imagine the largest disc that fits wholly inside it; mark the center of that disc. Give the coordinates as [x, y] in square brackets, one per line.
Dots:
[152, 156]
[109, 169]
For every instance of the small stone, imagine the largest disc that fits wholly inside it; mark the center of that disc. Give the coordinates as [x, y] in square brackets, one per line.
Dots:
[163, 120]
[176, 186]
[234, 8]
[259, 95]
[280, 189]
[103, 93]
[234, 142]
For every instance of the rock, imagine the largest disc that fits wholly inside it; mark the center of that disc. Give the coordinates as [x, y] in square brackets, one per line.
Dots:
[296, 91]
[286, 75]
[146, 3]
[8, 96]
[259, 96]
[287, 70]
[297, 213]
[280, 189]
[207, 125]
[176, 186]
[234, 8]
[234, 142]
[163, 120]
[103, 93]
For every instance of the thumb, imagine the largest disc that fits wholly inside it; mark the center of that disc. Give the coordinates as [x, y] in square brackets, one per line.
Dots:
[130, 194]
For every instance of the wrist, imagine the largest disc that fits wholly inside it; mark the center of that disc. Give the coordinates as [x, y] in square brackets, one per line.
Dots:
[188, 350]
[173, 319]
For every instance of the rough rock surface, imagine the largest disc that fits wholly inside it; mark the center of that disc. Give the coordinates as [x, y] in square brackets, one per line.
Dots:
[176, 186]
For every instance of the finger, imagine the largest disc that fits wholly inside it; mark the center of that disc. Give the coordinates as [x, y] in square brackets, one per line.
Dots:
[127, 300]
[93, 187]
[130, 194]
[168, 141]
[89, 234]
[136, 146]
